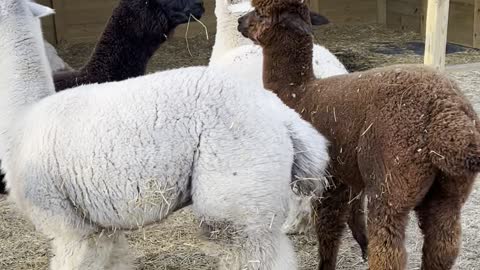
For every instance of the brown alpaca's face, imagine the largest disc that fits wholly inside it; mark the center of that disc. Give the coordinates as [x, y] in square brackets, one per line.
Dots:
[255, 27]
[274, 25]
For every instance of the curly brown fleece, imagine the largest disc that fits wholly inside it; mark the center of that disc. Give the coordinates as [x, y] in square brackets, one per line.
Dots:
[404, 135]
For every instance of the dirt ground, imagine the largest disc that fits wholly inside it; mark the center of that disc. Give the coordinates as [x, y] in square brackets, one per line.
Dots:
[175, 244]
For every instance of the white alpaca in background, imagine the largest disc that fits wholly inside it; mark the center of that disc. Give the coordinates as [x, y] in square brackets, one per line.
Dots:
[226, 35]
[238, 55]
[87, 163]
[56, 63]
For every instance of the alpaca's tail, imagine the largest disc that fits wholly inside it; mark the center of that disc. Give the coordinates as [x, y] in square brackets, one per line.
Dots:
[454, 136]
[310, 159]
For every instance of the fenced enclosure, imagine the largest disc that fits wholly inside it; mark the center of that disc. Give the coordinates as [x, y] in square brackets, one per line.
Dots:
[82, 21]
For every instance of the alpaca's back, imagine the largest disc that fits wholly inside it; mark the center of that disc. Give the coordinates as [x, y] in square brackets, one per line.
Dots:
[247, 62]
[119, 144]
[325, 63]
[240, 56]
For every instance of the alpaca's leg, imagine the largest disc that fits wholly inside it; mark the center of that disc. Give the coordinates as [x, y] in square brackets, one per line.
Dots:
[395, 182]
[391, 197]
[241, 188]
[73, 251]
[251, 239]
[259, 250]
[286, 258]
[299, 215]
[390, 201]
[439, 219]
[279, 250]
[250, 247]
[330, 215]
[245, 217]
[358, 225]
[386, 235]
[120, 257]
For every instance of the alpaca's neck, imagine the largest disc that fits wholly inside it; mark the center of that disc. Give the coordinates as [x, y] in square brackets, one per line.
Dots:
[287, 68]
[121, 54]
[25, 76]
[227, 36]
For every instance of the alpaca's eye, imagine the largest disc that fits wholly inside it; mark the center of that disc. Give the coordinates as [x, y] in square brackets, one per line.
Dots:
[259, 15]
[262, 17]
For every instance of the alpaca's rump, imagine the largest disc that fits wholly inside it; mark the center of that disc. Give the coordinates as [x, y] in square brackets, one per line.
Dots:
[454, 136]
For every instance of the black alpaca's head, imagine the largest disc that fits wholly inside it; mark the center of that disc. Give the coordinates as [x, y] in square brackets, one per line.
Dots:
[179, 11]
[161, 17]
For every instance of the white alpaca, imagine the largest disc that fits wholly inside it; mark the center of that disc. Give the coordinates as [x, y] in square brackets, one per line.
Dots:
[56, 63]
[226, 36]
[87, 163]
[238, 55]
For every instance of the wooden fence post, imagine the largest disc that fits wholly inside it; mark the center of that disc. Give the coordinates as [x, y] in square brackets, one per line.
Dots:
[60, 21]
[382, 12]
[436, 33]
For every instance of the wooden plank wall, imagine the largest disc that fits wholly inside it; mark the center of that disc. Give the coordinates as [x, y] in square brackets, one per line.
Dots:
[404, 14]
[462, 15]
[48, 25]
[348, 11]
[81, 21]
[78, 21]
[464, 21]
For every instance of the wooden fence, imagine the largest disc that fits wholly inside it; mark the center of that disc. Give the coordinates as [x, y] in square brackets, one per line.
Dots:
[83, 20]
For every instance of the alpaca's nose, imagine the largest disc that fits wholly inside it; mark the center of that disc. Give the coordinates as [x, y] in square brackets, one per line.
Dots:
[240, 27]
[240, 20]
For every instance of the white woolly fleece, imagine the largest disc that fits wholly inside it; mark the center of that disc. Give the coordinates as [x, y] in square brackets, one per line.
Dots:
[239, 55]
[106, 157]
[56, 63]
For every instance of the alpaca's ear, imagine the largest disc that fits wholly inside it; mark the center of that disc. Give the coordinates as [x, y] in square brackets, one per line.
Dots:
[243, 7]
[299, 26]
[318, 19]
[40, 11]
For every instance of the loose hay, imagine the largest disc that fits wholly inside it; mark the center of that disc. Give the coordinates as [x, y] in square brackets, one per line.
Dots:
[358, 46]
[176, 243]
[20, 247]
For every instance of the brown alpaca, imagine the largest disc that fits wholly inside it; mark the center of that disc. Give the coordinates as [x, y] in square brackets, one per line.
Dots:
[404, 135]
